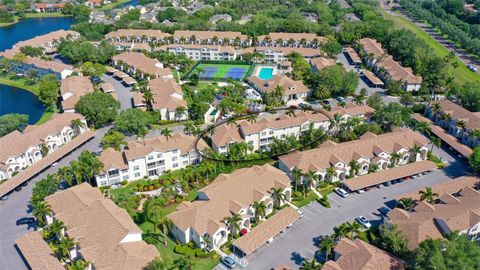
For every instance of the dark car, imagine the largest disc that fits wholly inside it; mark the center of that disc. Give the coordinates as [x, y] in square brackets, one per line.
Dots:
[384, 210]
[25, 220]
[326, 101]
[18, 188]
[229, 262]
[24, 184]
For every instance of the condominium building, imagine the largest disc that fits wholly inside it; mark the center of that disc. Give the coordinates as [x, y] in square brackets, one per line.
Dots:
[319, 63]
[148, 158]
[386, 67]
[280, 54]
[396, 148]
[19, 150]
[48, 42]
[260, 134]
[137, 36]
[290, 89]
[360, 255]
[140, 66]
[46, 7]
[106, 236]
[348, 111]
[456, 120]
[459, 211]
[203, 220]
[211, 38]
[72, 89]
[202, 52]
[296, 40]
[167, 98]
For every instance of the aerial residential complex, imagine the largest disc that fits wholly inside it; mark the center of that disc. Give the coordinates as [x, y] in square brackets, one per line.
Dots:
[19, 150]
[383, 151]
[140, 66]
[291, 89]
[228, 195]
[261, 133]
[72, 89]
[148, 158]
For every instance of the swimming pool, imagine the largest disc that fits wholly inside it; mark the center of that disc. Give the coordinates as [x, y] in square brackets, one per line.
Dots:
[265, 73]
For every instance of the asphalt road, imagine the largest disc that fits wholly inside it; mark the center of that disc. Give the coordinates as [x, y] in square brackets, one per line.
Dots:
[16, 207]
[301, 240]
[124, 93]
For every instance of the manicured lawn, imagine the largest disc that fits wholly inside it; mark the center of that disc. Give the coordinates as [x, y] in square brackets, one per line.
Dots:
[222, 69]
[308, 199]
[112, 5]
[45, 15]
[45, 117]
[19, 83]
[462, 73]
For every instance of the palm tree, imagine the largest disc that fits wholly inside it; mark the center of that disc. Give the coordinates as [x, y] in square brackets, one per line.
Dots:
[164, 223]
[359, 99]
[436, 108]
[278, 195]
[394, 157]
[89, 165]
[64, 246]
[252, 117]
[189, 128]
[373, 168]
[40, 211]
[341, 231]
[65, 174]
[290, 112]
[428, 195]
[57, 227]
[166, 132]
[407, 204]
[232, 121]
[326, 245]
[461, 124]
[423, 127]
[354, 167]
[310, 265]
[78, 265]
[355, 228]
[330, 173]
[415, 150]
[435, 142]
[475, 134]
[297, 177]
[310, 177]
[77, 125]
[233, 221]
[260, 209]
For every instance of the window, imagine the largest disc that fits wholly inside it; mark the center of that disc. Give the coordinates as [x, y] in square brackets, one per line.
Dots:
[174, 158]
[271, 132]
[175, 165]
[264, 133]
[137, 174]
[150, 157]
[125, 177]
[159, 155]
[125, 171]
[150, 165]
[175, 151]
[103, 183]
[113, 173]
[152, 173]
[136, 168]
[161, 162]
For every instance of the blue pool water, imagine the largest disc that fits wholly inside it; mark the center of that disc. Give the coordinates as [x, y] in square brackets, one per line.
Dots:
[265, 73]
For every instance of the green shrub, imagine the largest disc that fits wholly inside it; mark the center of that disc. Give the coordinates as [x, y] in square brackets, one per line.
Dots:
[200, 254]
[124, 183]
[191, 244]
[184, 250]
[324, 201]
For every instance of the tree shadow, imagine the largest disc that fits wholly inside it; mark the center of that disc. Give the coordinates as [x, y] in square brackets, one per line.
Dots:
[297, 258]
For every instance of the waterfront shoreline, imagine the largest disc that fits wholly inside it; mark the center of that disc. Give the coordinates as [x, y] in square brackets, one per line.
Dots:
[19, 84]
[34, 16]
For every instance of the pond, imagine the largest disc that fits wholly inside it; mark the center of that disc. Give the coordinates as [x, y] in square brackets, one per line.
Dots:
[16, 100]
[29, 28]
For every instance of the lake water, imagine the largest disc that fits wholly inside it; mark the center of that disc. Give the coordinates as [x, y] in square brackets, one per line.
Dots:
[29, 28]
[16, 100]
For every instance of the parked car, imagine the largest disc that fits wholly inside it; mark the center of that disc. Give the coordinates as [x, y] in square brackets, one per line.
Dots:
[384, 210]
[24, 184]
[341, 99]
[360, 191]
[54, 164]
[326, 102]
[472, 68]
[364, 222]
[4, 198]
[18, 188]
[229, 262]
[341, 192]
[387, 184]
[302, 105]
[25, 221]
[270, 240]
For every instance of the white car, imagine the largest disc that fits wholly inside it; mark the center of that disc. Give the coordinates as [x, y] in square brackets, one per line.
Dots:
[54, 164]
[472, 68]
[270, 240]
[341, 192]
[364, 222]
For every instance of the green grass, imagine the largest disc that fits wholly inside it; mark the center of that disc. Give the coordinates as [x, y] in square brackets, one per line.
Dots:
[222, 69]
[302, 202]
[462, 74]
[15, 20]
[112, 5]
[45, 15]
[45, 117]
[19, 83]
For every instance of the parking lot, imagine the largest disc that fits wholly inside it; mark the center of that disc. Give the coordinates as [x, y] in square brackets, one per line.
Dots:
[301, 241]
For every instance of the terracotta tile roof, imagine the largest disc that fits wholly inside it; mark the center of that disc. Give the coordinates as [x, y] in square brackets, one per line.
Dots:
[129, 80]
[112, 159]
[295, 36]
[289, 86]
[47, 38]
[322, 62]
[100, 228]
[305, 52]
[458, 112]
[350, 109]
[209, 34]
[433, 221]
[445, 136]
[226, 133]
[137, 33]
[133, 45]
[120, 74]
[167, 94]
[14, 144]
[353, 55]
[142, 62]
[107, 87]
[367, 146]
[398, 72]
[371, 46]
[266, 230]
[37, 253]
[219, 49]
[381, 177]
[372, 77]
[360, 255]
[183, 143]
[52, 126]
[239, 187]
[43, 163]
[449, 187]
[138, 100]
[72, 88]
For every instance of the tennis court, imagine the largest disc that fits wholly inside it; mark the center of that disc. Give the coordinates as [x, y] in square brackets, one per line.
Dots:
[221, 71]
